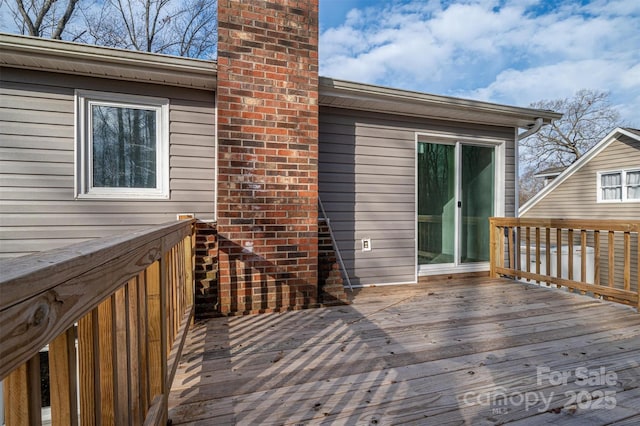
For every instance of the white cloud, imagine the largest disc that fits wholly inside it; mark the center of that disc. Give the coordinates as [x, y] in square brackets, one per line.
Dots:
[554, 81]
[506, 51]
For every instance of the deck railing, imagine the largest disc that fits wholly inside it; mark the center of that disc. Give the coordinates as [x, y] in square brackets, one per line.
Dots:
[597, 257]
[113, 312]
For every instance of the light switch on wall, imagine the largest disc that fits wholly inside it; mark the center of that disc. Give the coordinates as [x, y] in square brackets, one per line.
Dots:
[366, 244]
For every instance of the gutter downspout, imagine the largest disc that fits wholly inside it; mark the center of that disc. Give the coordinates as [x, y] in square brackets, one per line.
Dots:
[537, 125]
[533, 130]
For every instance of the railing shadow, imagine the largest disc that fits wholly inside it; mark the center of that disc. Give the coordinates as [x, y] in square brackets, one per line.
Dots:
[258, 285]
[305, 367]
[534, 359]
[412, 355]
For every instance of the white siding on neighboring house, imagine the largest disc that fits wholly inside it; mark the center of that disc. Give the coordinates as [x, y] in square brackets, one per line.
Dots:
[367, 184]
[38, 207]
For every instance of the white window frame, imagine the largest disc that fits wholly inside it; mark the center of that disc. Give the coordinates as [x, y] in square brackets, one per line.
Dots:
[84, 188]
[623, 177]
[499, 145]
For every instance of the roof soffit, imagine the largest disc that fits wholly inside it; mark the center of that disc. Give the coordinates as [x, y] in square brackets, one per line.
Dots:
[349, 95]
[96, 61]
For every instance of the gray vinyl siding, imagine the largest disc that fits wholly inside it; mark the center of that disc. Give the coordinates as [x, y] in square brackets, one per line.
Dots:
[576, 198]
[367, 186]
[38, 210]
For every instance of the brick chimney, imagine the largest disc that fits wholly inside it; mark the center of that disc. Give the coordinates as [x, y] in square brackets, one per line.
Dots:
[268, 154]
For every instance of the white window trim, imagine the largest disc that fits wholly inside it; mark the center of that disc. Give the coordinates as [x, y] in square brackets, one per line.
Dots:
[623, 177]
[83, 185]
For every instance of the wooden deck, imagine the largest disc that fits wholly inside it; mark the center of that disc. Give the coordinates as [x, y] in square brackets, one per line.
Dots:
[479, 351]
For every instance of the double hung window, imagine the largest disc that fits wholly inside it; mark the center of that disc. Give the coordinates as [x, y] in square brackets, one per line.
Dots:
[619, 186]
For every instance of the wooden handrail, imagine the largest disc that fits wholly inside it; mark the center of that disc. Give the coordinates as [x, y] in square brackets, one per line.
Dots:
[569, 237]
[609, 224]
[126, 301]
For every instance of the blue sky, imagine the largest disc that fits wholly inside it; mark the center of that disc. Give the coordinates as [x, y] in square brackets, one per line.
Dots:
[506, 51]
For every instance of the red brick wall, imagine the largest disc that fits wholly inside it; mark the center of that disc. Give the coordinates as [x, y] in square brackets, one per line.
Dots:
[268, 154]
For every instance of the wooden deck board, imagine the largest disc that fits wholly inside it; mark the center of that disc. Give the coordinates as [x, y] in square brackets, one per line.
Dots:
[432, 353]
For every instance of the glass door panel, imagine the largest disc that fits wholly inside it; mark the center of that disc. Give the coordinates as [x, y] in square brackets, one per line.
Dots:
[436, 203]
[477, 197]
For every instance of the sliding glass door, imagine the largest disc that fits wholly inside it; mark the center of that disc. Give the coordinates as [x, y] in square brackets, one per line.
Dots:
[455, 198]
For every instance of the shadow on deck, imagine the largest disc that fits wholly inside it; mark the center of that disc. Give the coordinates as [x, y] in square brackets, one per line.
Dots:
[477, 351]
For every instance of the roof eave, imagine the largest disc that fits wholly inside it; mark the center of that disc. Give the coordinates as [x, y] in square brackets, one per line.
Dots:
[359, 96]
[96, 61]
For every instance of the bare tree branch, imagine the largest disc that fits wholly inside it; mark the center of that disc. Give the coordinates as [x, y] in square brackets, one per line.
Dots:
[587, 118]
[176, 27]
[42, 18]
[62, 23]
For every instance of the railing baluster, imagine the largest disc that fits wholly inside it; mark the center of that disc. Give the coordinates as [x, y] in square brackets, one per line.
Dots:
[501, 243]
[154, 331]
[121, 358]
[583, 257]
[89, 368]
[164, 343]
[537, 253]
[518, 251]
[62, 379]
[143, 353]
[596, 260]
[22, 394]
[511, 249]
[612, 259]
[627, 261]
[570, 255]
[558, 254]
[133, 321]
[105, 360]
[547, 258]
[596, 257]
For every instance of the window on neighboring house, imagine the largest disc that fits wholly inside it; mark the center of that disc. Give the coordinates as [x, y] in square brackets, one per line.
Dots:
[619, 186]
[122, 146]
[633, 185]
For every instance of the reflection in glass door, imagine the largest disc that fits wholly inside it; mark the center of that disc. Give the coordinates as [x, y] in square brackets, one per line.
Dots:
[456, 197]
[436, 203]
[477, 197]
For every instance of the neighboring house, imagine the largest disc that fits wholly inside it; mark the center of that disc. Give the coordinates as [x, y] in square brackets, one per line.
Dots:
[549, 174]
[414, 175]
[603, 184]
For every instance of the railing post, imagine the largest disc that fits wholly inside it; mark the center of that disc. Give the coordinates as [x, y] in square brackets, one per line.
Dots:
[492, 248]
